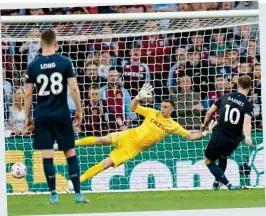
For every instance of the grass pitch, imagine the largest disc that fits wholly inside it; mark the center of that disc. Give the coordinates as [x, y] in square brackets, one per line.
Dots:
[137, 201]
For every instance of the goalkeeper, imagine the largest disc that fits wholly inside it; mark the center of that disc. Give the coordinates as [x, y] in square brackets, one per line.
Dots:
[129, 143]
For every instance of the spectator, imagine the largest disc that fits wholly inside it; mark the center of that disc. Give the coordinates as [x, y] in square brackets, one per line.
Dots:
[252, 52]
[257, 95]
[242, 36]
[90, 77]
[135, 73]
[180, 64]
[226, 5]
[199, 71]
[246, 69]
[118, 100]
[232, 57]
[198, 7]
[115, 46]
[166, 7]
[155, 51]
[189, 105]
[31, 48]
[196, 41]
[217, 47]
[222, 88]
[212, 6]
[16, 121]
[246, 5]
[7, 86]
[95, 121]
[8, 52]
[76, 51]
[35, 11]
[183, 7]
[107, 61]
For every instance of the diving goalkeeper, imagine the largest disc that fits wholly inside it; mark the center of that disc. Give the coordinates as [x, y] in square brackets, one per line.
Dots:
[129, 143]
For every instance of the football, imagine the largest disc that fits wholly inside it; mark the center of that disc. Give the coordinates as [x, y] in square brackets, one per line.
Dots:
[18, 170]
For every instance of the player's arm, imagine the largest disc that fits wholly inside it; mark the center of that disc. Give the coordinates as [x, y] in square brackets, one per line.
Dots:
[74, 90]
[145, 92]
[208, 116]
[194, 135]
[28, 98]
[247, 126]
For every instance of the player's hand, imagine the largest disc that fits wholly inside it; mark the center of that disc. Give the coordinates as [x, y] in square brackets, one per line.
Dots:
[29, 125]
[145, 92]
[78, 118]
[202, 127]
[211, 126]
[248, 141]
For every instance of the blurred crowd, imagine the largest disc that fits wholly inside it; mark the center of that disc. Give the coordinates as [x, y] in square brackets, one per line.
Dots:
[193, 68]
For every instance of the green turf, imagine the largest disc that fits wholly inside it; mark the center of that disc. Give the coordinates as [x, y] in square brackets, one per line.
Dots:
[137, 201]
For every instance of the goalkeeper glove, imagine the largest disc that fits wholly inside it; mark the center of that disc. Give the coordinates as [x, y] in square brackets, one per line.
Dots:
[210, 127]
[145, 92]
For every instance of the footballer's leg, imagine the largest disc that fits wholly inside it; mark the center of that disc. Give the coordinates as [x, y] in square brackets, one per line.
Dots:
[66, 142]
[49, 171]
[212, 153]
[93, 171]
[92, 140]
[74, 174]
[222, 164]
[44, 140]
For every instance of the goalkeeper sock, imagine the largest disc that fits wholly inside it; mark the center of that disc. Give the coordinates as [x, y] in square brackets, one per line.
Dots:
[49, 171]
[86, 141]
[222, 164]
[93, 171]
[74, 172]
[218, 174]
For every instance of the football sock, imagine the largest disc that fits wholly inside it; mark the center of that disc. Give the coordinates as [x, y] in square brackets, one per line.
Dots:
[86, 141]
[91, 172]
[218, 174]
[222, 164]
[49, 171]
[74, 172]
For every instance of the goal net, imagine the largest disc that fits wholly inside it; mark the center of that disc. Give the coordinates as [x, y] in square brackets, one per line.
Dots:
[191, 57]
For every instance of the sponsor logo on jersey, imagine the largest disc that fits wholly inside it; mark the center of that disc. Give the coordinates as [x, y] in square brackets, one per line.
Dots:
[159, 125]
[134, 74]
[48, 65]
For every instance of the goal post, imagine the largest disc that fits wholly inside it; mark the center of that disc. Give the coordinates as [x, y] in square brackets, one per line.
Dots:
[192, 57]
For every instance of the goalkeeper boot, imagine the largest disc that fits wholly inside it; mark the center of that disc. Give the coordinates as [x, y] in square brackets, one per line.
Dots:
[216, 185]
[80, 198]
[231, 187]
[53, 199]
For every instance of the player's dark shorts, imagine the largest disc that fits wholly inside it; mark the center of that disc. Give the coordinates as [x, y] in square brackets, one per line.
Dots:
[220, 146]
[46, 133]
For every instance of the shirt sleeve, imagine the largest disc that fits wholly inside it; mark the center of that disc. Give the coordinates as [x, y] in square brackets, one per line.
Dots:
[29, 75]
[144, 111]
[179, 130]
[70, 70]
[218, 102]
[250, 110]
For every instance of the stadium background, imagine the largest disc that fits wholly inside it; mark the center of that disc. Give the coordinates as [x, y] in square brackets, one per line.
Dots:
[164, 60]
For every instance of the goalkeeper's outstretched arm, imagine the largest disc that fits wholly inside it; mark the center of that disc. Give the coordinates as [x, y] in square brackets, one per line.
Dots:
[145, 92]
[198, 135]
[133, 105]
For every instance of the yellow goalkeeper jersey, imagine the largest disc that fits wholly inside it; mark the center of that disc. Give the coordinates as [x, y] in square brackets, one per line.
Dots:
[154, 128]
